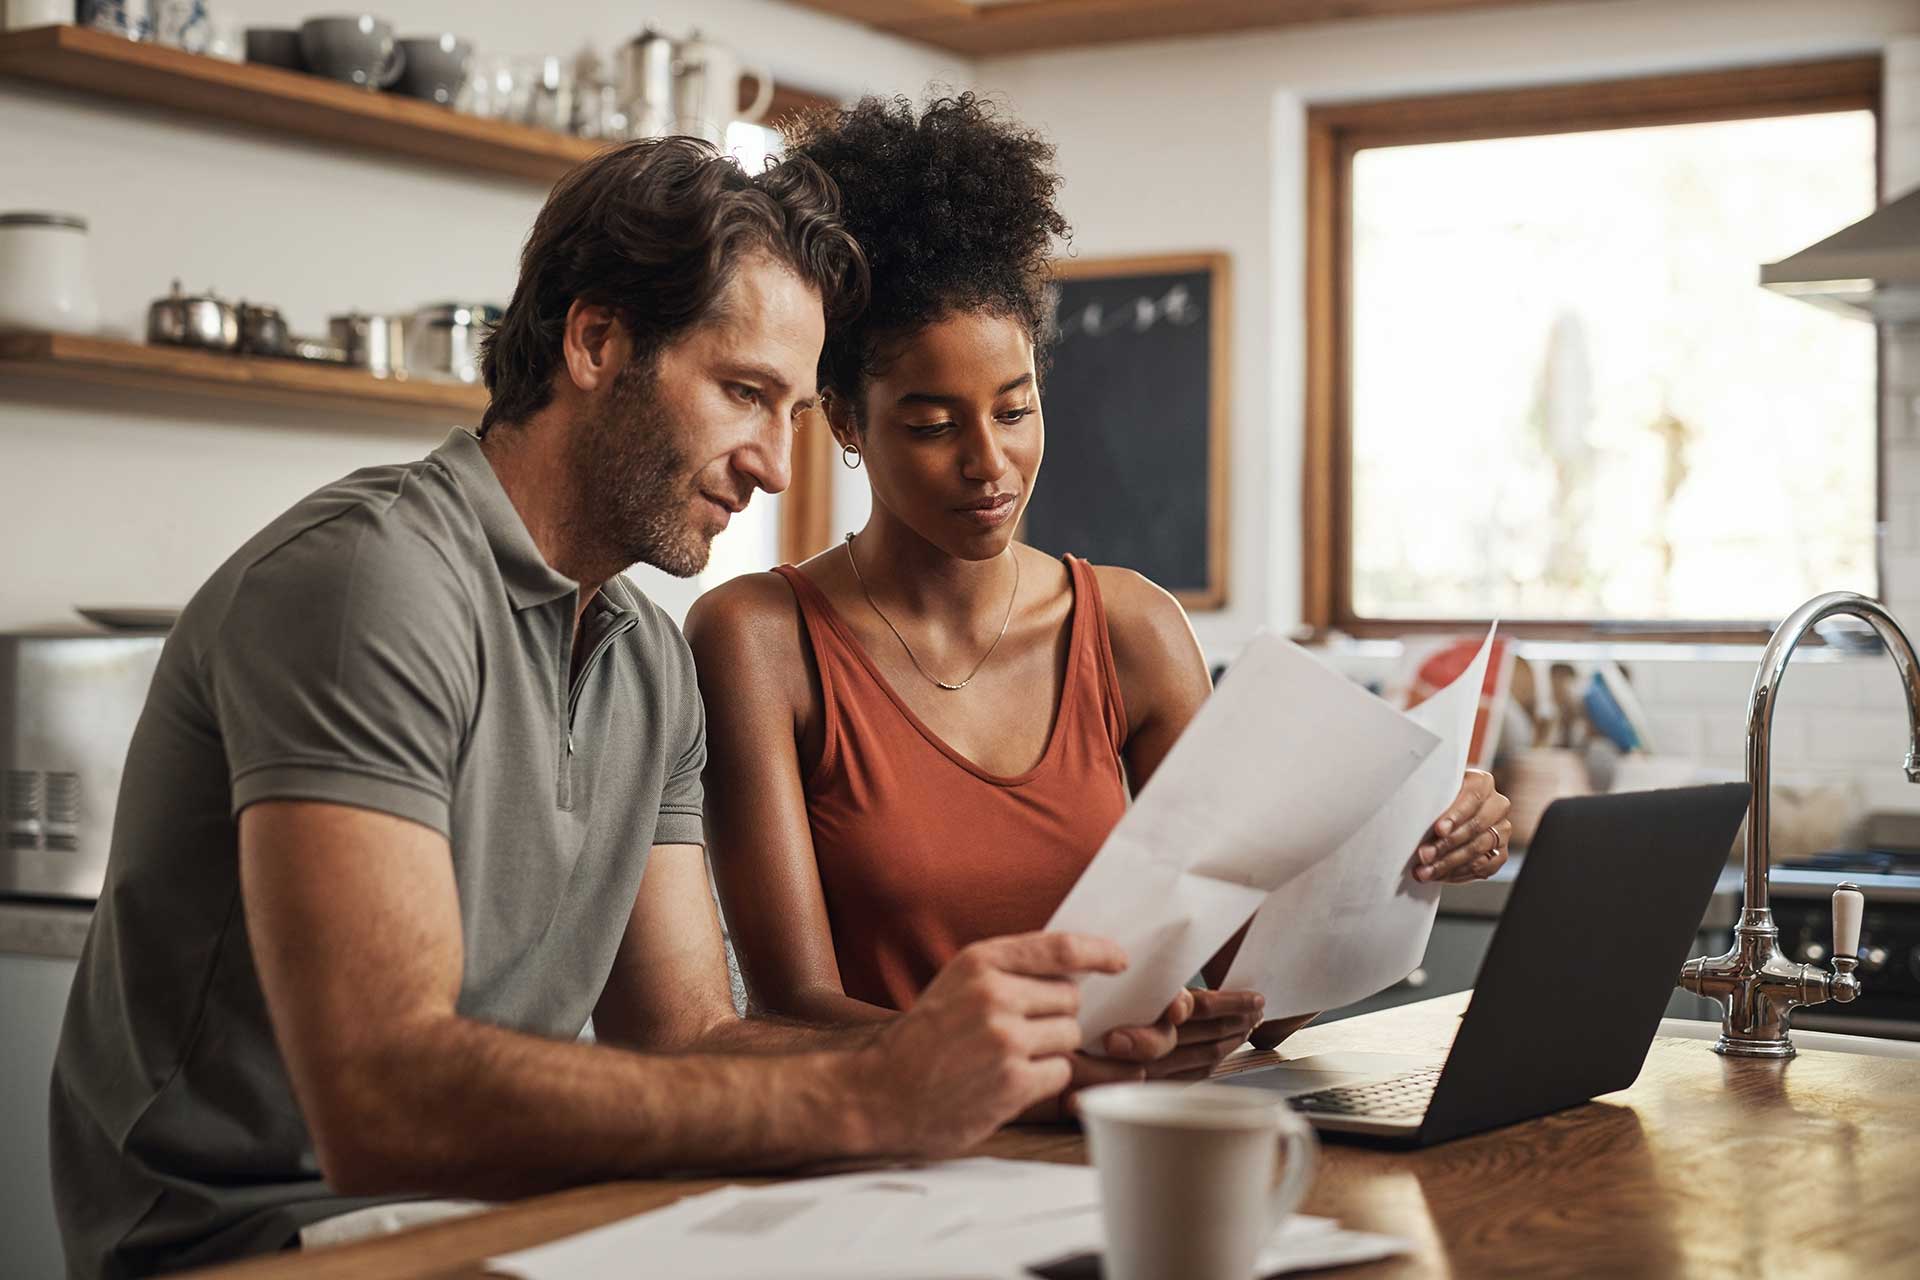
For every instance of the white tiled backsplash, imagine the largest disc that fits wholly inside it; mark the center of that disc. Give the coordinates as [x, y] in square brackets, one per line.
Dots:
[1900, 348]
[1900, 418]
[1839, 718]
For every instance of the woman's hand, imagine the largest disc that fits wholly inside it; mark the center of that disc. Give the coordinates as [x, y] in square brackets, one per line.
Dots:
[1128, 1051]
[1269, 1034]
[1198, 1029]
[1469, 840]
[1220, 1024]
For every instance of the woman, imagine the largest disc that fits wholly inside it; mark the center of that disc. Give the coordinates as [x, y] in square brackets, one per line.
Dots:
[921, 737]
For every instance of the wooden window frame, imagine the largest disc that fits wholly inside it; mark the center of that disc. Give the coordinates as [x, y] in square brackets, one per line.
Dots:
[806, 508]
[1335, 133]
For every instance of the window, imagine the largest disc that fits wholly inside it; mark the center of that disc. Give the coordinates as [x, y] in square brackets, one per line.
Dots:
[1544, 381]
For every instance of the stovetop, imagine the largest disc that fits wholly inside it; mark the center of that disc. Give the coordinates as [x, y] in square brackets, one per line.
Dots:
[1878, 862]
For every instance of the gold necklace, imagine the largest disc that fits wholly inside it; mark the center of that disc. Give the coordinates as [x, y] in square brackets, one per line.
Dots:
[951, 688]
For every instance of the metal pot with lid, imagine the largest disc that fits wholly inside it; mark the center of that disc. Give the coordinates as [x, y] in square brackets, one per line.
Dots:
[263, 331]
[46, 281]
[443, 340]
[194, 320]
[377, 343]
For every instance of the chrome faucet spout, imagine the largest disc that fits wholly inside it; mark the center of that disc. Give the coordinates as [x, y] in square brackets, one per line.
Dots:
[1758, 987]
[1766, 688]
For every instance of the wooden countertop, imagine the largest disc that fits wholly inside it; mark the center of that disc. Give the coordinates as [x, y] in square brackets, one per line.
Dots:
[1706, 1167]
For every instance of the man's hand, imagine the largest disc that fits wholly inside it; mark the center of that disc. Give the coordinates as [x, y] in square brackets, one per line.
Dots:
[1469, 840]
[992, 1035]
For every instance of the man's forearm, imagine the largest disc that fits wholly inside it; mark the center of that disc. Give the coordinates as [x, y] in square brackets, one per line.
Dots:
[761, 1032]
[827, 1009]
[464, 1108]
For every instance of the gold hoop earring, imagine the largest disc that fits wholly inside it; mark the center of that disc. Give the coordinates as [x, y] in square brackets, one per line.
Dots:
[849, 457]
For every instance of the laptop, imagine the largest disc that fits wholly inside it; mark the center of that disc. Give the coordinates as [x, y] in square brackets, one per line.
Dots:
[1604, 911]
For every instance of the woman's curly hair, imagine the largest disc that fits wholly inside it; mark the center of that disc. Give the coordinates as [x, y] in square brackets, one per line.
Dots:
[953, 207]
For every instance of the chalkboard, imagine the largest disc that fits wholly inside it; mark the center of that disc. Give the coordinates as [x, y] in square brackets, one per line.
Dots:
[1135, 405]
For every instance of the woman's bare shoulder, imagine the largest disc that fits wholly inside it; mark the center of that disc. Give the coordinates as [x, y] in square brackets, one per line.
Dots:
[748, 628]
[748, 603]
[1141, 615]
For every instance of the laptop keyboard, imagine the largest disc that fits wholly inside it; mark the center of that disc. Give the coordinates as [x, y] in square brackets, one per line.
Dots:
[1402, 1097]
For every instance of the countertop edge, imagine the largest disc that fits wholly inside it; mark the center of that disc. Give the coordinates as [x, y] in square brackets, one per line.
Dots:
[51, 929]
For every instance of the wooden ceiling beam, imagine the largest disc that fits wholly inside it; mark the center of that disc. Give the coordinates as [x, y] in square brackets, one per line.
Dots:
[1023, 26]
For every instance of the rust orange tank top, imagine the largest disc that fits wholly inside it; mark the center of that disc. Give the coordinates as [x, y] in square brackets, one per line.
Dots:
[920, 851]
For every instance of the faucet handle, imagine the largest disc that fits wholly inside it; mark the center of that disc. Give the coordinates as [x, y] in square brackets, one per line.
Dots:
[1848, 906]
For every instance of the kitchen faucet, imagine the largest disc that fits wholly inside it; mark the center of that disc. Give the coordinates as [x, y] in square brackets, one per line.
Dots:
[1757, 986]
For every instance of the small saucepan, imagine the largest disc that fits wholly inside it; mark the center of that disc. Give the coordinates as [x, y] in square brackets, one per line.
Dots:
[443, 340]
[376, 343]
[263, 331]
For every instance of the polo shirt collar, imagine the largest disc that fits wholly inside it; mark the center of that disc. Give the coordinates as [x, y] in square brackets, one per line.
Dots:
[530, 579]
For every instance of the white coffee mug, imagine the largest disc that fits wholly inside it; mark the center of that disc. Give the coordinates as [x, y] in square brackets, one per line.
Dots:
[706, 91]
[21, 14]
[1187, 1176]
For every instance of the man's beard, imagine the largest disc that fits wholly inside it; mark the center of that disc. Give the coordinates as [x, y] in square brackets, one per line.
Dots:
[634, 481]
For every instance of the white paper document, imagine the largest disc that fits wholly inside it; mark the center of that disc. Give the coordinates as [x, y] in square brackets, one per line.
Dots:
[1358, 921]
[956, 1220]
[1278, 769]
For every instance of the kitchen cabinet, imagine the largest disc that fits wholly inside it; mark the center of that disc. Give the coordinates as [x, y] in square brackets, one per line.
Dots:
[39, 946]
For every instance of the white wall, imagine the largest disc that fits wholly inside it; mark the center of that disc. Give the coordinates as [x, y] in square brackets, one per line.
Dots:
[116, 497]
[1198, 144]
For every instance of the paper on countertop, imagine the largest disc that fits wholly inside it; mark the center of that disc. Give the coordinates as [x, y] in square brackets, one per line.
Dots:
[1358, 922]
[1277, 769]
[892, 1222]
[955, 1220]
[783, 1230]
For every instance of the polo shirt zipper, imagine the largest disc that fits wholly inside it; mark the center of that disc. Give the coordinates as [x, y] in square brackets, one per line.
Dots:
[626, 622]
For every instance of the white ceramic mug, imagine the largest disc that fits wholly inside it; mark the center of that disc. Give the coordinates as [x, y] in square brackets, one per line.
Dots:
[21, 14]
[45, 279]
[707, 90]
[1187, 1176]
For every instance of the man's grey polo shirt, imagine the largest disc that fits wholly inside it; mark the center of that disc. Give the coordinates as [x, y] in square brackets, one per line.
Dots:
[394, 642]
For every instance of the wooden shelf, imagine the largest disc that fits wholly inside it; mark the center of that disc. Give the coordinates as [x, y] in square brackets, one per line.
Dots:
[251, 379]
[286, 101]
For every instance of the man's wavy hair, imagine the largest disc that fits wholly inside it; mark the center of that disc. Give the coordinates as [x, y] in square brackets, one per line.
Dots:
[654, 230]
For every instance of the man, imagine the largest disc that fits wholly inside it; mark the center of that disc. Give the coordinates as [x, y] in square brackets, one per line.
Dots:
[380, 843]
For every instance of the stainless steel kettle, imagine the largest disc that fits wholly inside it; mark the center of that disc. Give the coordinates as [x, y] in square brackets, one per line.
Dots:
[652, 61]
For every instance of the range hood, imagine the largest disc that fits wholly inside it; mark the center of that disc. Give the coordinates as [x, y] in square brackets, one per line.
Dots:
[1870, 271]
